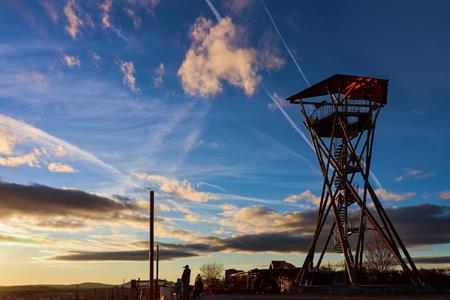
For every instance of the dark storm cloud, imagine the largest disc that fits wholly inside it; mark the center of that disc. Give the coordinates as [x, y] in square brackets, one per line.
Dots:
[424, 224]
[44, 200]
[275, 242]
[133, 255]
[418, 225]
[432, 259]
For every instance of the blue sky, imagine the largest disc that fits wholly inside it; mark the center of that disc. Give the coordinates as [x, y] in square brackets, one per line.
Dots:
[109, 96]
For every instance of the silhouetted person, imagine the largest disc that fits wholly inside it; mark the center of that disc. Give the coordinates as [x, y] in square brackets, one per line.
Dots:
[185, 279]
[198, 287]
[178, 288]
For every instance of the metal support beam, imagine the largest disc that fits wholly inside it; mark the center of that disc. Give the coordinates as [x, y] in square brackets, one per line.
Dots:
[151, 294]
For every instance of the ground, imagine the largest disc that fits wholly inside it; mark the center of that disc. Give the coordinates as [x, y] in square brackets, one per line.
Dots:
[325, 297]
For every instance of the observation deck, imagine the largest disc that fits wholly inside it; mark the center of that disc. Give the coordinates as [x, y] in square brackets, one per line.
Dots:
[352, 99]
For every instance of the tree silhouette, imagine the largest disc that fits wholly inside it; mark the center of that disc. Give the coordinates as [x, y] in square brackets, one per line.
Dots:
[378, 257]
[211, 272]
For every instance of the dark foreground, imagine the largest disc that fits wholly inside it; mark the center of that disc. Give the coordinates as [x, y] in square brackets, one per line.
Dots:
[326, 297]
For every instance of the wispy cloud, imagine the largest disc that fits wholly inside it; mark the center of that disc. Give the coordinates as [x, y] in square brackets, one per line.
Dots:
[137, 21]
[129, 78]
[413, 173]
[75, 23]
[158, 75]
[52, 11]
[146, 5]
[418, 174]
[237, 6]
[106, 9]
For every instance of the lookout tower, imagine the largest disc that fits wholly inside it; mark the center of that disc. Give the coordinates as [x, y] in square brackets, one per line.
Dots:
[340, 114]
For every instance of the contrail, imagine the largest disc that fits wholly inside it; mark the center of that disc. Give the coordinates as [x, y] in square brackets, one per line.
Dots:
[214, 10]
[299, 131]
[284, 43]
[375, 179]
[304, 78]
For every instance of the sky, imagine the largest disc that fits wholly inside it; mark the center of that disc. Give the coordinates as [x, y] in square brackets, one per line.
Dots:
[101, 101]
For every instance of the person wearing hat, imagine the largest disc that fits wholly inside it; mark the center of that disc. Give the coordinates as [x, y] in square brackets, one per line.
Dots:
[185, 279]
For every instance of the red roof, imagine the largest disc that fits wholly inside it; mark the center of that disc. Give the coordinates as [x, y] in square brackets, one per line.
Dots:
[358, 87]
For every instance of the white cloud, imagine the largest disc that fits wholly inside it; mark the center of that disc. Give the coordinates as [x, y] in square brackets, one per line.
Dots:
[74, 21]
[60, 168]
[94, 55]
[399, 178]
[7, 143]
[71, 60]
[214, 57]
[128, 71]
[192, 218]
[158, 75]
[259, 219]
[390, 196]
[31, 159]
[106, 9]
[306, 196]
[444, 195]
[183, 189]
[412, 172]
[418, 174]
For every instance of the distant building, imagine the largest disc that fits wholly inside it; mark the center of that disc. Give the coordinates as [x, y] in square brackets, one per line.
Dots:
[230, 272]
[279, 277]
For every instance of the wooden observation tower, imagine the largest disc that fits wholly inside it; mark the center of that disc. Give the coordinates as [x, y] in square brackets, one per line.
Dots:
[340, 114]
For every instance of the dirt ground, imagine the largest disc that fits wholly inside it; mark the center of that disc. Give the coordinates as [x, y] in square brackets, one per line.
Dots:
[326, 297]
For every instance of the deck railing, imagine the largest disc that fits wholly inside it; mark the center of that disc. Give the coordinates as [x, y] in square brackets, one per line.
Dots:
[353, 106]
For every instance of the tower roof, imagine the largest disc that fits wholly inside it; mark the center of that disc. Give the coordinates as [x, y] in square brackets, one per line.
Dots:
[358, 87]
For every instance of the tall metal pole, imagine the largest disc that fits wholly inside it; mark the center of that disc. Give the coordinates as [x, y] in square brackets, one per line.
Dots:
[157, 263]
[151, 246]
